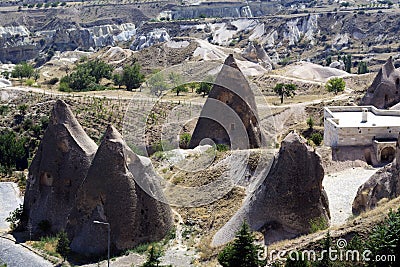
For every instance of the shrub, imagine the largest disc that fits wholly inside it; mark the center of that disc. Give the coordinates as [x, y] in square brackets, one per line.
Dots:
[316, 138]
[15, 217]
[4, 110]
[29, 82]
[184, 140]
[318, 224]
[53, 81]
[222, 147]
[64, 87]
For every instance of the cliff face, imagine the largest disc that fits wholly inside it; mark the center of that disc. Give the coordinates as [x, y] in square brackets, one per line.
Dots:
[57, 170]
[110, 194]
[290, 195]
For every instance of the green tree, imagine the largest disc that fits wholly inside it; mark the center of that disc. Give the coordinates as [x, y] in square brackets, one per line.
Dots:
[310, 123]
[362, 67]
[63, 245]
[328, 61]
[117, 79]
[157, 83]
[285, 89]
[242, 251]
[180, 88]
[335, 85]
[385, 239]
[347, 63]
[23, 70]
[327, 245]
[132, 77]
[204, 88]
[79, 80]
[98, 69]
[153, 258]
[13, 152]
[36, 75]
[175, 78]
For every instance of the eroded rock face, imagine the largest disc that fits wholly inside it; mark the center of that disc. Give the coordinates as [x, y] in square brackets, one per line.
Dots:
[385, 89]
[110, 194]
[229, 115]
[257, 54]
[289, 196]
[57, 170]
[383, 185]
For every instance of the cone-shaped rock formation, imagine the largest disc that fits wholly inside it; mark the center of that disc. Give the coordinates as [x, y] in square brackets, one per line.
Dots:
[229, 115]
[110, 194]
[385, 89]
[290, 195]
[57, 170]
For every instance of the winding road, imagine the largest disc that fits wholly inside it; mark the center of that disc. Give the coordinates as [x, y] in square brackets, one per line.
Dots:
[15, 255]
[12, 254]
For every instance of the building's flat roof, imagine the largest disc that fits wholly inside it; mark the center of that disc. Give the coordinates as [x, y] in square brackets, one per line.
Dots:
[353, 119]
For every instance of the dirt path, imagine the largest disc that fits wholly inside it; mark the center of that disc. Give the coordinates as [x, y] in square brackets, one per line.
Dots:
[341, 188]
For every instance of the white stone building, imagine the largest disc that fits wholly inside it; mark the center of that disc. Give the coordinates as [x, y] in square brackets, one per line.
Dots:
[363, 126]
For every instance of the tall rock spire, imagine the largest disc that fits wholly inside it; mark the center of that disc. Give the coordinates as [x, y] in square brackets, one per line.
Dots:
[229, 115]
[110, 194]
[289, 196]
[57, 170]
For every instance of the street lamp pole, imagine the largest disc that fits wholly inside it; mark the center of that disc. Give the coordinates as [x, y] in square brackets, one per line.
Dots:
[108, 242]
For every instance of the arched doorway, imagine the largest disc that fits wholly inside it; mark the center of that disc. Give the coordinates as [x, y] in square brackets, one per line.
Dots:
[387, 154]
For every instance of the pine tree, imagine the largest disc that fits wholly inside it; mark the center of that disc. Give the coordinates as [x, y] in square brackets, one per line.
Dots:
[242, 251]
[153, 259]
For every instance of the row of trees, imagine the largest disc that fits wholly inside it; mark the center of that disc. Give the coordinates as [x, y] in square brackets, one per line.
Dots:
[88, 75]
[348, 64]
[334, 85]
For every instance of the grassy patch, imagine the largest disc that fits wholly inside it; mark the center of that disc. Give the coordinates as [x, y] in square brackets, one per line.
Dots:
[48, 245]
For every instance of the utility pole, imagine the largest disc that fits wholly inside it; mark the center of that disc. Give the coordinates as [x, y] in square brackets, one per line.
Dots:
[108, 242]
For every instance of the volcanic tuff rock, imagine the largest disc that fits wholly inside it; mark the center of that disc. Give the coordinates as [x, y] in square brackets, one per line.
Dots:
[111, 194]
[256, 53]
[384, 91]
[289, 196]
[58, 169]
[229, 115]
[384, 184]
